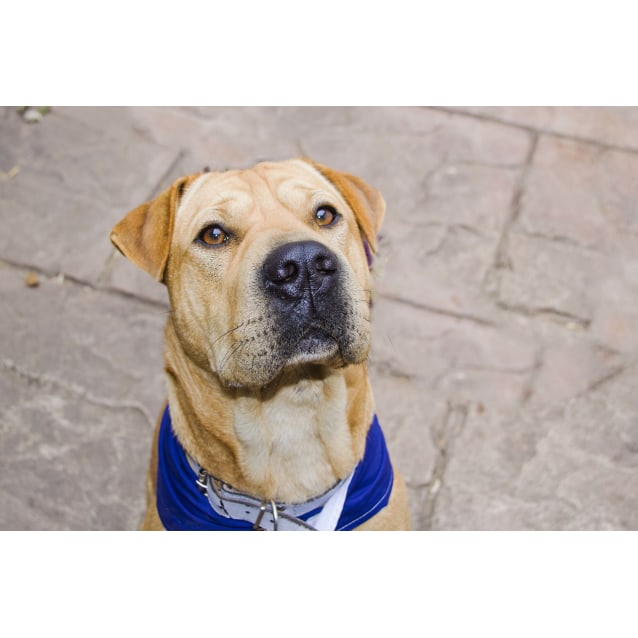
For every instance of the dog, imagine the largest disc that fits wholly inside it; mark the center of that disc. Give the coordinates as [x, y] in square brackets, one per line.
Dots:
[269, 423]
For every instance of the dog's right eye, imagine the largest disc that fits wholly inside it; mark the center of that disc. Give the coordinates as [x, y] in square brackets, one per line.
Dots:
[326, 215]
[213, 236]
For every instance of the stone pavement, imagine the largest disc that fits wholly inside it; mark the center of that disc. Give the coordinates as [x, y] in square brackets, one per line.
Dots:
[505, 358]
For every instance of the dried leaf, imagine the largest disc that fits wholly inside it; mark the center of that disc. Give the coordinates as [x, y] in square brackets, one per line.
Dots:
[31, 279]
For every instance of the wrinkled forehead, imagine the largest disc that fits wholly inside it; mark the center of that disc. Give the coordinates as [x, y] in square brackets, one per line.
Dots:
[293, 184]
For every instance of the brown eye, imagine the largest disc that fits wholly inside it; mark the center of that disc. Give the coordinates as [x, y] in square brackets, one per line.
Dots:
[326, 216]
[214, 236]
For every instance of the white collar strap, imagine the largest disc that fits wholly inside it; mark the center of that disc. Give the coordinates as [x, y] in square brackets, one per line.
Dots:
[270, 515]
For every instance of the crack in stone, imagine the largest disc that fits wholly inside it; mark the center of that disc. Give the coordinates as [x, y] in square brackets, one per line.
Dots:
[301, 151]
[439, 311]
[487, 164]
[109, 265]
[77, 281]
[191, 113]
[161, 181]
[448, 227]
[45, 381]
[559, 316]
[452, 426]
[426, 181]
[501, 260]
[528, 389]
[387, 368]
[448, 233]
[438, 246]
[560, 239]
[456, 369]
[607, 378]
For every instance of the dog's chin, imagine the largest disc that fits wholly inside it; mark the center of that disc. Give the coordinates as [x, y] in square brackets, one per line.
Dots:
[315, 343]
[314, 348]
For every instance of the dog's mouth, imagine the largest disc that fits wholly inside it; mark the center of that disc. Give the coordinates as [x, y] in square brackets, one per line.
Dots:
[315, 338]
[243, 365]
[315, 342]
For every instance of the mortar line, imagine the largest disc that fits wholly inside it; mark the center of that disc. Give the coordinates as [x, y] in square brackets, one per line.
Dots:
[530, 386]
[45, 380]
[516, 203]
[607, 378]
[539, 130]
[157, 188]
[453, 424]
[545, 313]
[435, 310]
[77, 281]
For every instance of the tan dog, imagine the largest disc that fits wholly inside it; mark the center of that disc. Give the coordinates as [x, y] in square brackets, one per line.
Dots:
[266, 346]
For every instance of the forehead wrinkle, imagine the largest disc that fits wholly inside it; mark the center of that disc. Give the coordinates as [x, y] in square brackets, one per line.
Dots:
[221, 193]
[296, 176]
[296, 196]
[292, 191]
[262, 192]
[210, 187]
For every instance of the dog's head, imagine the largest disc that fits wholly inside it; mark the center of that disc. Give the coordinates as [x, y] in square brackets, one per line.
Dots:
[266, 268]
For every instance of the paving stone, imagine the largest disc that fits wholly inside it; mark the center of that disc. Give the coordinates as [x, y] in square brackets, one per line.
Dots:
[571, 467]
[81, 383]
[123, 275]
[615, 319]
[102, 346]
[68, 462]
[569, 369]
[224, 138]
[610, 125]
[548, 276]
[72, 185]
[470, 196]
[461, 359]
[410, 417]
[580, 193]
[439, 266]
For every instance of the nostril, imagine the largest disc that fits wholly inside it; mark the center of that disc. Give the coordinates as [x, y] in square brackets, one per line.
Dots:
[325, 264]
[286, 272]
[281, 271]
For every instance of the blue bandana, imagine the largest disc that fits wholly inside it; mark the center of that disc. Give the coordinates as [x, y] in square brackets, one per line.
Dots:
[181, 506]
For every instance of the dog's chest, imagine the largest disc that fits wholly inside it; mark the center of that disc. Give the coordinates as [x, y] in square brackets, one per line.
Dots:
[297, 444]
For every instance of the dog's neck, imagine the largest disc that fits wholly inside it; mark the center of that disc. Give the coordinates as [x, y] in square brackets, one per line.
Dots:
[255, 440]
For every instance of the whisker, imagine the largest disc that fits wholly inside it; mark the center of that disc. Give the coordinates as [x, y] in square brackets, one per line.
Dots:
[225, 334]
[231, 352]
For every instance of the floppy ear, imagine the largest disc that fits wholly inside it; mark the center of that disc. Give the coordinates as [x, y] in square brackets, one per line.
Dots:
[366, 202]
[144, 235]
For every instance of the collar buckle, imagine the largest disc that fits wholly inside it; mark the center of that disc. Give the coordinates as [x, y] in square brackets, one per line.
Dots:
[262, 510]
[202, 480]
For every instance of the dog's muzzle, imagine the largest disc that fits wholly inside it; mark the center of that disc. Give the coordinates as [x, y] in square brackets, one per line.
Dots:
[302, 283]
[300, 276]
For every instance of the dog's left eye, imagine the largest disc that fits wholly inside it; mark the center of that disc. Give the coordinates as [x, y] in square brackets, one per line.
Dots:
[326, 216]
[213, 236]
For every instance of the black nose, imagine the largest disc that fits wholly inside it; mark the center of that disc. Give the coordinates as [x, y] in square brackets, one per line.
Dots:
[300, 269]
